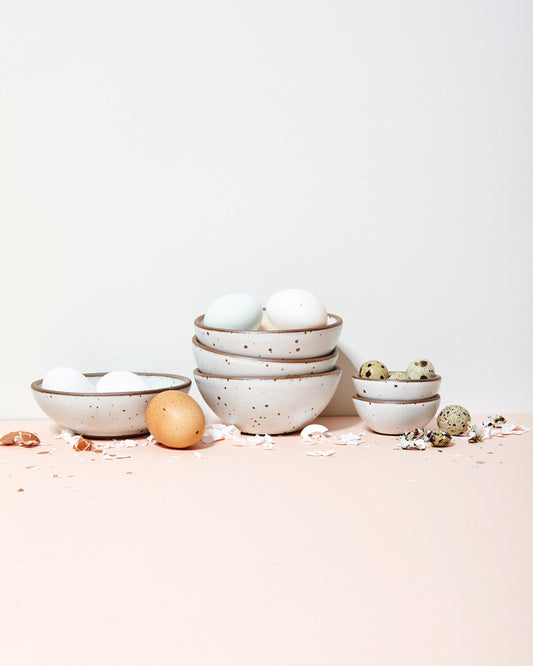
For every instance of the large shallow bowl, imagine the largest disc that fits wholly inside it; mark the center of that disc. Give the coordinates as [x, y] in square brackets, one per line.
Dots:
[305, 343]
[268, 405]
[212, 362]
[395, 418]
[105, 414]
[396, 389]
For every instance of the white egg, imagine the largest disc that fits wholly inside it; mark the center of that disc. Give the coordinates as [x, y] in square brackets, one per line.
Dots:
[67, 380]
[121, 381]
[237, 312]
[296, 309]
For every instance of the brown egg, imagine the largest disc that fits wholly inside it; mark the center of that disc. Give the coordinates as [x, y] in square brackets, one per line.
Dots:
[175, 419]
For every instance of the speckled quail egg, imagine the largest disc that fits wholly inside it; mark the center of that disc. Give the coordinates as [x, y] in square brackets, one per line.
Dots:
[453, 419]
[373, 370]
[439, 438]
[398, 375]
[420, 369]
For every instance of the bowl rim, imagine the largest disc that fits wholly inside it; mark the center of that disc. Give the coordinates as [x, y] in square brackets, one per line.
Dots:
[336, 370]
[315, 359]
[405, 381]
[186, 382]
[338, 322]
[433, 398]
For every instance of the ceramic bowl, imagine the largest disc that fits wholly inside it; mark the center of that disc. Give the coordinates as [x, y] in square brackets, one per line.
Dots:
[306, 343]
[105, 414]
[395, 418]
[268, 405]
[396, 389]
[212, 362]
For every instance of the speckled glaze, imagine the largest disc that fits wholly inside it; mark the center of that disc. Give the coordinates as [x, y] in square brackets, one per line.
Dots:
[395, 418]
[307, 343]
[396, 389]
[212, 362]
[105, 414]
[268, 405]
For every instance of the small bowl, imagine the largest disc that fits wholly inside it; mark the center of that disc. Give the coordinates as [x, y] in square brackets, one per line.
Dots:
[268, 405]
[396, 389]
[212, 362]
[395, 418]
[305, 343]
[105, 415]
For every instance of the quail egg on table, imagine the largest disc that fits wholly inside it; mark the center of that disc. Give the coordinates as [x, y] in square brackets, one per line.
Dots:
[373, 370]
[439, 438]
[421, 369]
[453, 419]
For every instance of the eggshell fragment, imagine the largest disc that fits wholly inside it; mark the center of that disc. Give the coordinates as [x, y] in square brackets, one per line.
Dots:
[20, 437]
[175, 419]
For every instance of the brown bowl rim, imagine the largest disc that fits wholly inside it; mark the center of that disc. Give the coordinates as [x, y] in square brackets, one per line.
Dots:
[36, 385]
[315, 359]
[397, 402]
[338, 322]
[405, 381]
[336, 370]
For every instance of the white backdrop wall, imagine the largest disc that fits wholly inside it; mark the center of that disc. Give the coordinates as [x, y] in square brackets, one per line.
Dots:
[156, 155]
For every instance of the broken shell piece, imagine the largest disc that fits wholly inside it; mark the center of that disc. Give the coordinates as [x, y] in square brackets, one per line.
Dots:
[20, 437]
[439, 438]
[494, 420]
[82, 444]
[474, 433]
[417, 433]
[313, 431]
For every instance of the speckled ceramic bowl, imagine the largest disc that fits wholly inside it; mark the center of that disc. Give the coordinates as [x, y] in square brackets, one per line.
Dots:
[395, 418]
[306, 343]
[396, 389]
[105, 414]
[268, 405]
[212, 362]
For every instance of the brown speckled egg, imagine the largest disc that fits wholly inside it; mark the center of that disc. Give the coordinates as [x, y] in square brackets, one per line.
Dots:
[453, 419]
[175, 419]
[373, 370]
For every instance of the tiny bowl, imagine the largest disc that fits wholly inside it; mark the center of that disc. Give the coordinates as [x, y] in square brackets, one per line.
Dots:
[395, 418]
[304, 343]
[396, 389]
[105, 415]
[212, 362]
[268, 405]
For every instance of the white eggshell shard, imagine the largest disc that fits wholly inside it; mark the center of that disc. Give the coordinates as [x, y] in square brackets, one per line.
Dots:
[121, 381]
[293, 309]
[235, 312]
[67, 380]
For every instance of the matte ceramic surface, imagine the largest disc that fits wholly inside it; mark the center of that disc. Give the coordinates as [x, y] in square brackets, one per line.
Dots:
[105, 414]
[212, 362]
[307, 343]
[268, 405]
[396, 389]
[395, 418]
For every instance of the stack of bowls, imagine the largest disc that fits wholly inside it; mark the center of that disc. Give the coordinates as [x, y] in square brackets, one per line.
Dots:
[395, 406]
[267, 381]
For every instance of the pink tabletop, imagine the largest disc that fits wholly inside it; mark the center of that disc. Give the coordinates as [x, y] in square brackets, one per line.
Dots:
[372, 556]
